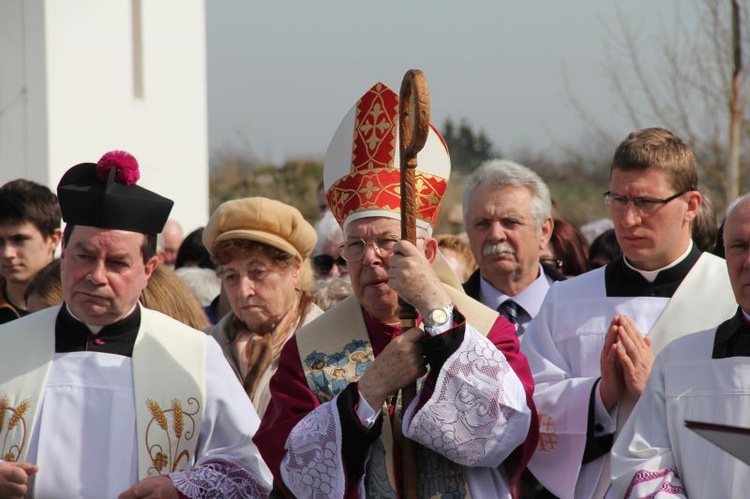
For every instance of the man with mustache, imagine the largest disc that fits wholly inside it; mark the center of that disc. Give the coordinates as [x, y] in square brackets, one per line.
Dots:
[593, 342]
[333, 426]
[507, 213]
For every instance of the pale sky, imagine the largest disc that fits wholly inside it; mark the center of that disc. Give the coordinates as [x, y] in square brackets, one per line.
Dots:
[282, 75]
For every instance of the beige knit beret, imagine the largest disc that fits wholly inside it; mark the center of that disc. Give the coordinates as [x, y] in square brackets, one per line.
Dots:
[264, 220]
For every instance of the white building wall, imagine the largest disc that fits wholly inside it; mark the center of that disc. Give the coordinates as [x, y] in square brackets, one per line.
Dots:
[23, 122]
[89, 102]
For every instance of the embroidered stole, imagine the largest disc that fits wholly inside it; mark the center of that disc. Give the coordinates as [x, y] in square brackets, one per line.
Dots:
[335, 350]
[169, 381]
[169, 397]
[707, 280]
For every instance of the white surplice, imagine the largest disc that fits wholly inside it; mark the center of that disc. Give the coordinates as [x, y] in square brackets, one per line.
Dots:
[563, 345]
[656, 455]
[85, 438]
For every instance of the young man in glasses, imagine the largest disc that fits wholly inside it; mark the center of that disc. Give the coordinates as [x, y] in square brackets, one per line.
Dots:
[593, 342]
[334, 423]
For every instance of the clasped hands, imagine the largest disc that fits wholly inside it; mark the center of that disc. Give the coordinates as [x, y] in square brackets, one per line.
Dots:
[625, 362]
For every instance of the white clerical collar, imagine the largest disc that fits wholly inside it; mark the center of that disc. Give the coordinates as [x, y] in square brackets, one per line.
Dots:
[94, 329]
[745, 315]
[650, 275]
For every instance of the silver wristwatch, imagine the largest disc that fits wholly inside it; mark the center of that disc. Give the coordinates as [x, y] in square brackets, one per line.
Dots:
[438, 317]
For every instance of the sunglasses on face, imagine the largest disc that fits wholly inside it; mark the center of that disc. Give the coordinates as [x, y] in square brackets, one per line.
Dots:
[324, 264]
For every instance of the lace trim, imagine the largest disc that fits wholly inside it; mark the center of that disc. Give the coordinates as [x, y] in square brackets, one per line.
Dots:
[665, 484]
[219, 478]
[312, 465]
[469, 415]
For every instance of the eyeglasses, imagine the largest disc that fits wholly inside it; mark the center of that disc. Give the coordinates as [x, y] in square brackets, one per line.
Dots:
[353, 250]
[324, 264]
[643, 205]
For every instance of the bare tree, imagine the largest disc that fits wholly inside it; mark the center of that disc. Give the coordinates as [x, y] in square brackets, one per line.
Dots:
[694, 87]
[735, 108]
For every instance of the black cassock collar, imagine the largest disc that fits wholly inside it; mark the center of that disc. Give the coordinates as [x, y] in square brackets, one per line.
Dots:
[732, 338]
[72, 335]
[621, 280]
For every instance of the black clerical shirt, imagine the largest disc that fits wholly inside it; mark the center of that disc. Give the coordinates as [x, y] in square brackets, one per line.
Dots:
[732, 338]
[621, 280]
[72, 335]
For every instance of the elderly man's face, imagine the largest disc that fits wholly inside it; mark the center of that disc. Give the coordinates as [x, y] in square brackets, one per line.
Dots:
[504, 237]
[172, 239]
[370, 274]
[737, 252]
[103, 273]
[329, 263]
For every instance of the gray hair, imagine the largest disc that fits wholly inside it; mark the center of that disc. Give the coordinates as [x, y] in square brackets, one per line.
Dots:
[204, 283]
[501, 173]
[328, 229]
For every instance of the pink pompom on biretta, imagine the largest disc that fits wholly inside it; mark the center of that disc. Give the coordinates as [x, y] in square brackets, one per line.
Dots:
[126, 167]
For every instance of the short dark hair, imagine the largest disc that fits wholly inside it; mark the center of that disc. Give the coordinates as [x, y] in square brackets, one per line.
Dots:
[148, 248]
[604, 249]
[192, 252]
[23, 201]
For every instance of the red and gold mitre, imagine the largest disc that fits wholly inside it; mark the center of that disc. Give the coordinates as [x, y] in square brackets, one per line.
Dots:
[361, 172]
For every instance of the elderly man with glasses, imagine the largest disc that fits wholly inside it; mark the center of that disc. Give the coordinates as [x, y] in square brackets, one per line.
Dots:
[593, 342]
[335, 423]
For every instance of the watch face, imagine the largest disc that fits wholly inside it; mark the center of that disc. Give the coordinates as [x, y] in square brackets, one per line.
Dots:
[438, 316]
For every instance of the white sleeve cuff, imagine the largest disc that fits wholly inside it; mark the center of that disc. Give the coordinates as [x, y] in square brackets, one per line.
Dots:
[366, 414]
[605, 422]
[434, 331]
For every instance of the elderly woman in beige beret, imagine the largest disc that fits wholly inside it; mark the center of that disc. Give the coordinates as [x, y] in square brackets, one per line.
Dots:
[262, 248]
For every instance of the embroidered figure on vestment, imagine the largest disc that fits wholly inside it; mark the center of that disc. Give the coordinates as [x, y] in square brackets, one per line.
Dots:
[168, 433]
[15, 432]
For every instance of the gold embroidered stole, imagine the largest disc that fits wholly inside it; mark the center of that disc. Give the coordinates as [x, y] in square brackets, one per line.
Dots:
[335, 350]
[169, 383]
[28, 347]
[169, 380]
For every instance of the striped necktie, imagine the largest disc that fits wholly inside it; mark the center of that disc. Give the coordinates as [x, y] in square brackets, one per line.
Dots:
[510, 310]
